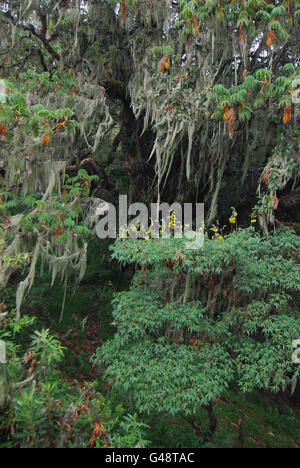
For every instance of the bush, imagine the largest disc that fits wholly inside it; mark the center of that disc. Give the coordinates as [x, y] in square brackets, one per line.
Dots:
[195, 323]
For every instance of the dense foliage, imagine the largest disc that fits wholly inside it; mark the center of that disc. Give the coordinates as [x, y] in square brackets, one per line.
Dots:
[194, 323]
[163, 100]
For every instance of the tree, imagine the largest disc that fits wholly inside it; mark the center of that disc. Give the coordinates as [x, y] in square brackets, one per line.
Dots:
[163, 100]
[186, 84]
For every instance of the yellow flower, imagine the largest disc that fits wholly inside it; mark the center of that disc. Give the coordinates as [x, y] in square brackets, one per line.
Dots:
[253, 221]
[233, 216]
[221, 238]
[172, 223]
[147, 238]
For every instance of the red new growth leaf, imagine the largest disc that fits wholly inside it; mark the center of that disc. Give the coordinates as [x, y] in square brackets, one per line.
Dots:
[97, 434]
[231, 122]
[3, 131]
[271, 37]
[287, 114]
[123, 11]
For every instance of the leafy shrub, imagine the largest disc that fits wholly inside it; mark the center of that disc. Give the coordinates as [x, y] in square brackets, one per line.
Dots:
[195, 323]
[42, 409]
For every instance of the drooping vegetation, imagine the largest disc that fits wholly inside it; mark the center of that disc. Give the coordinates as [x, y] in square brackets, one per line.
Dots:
[143, 342]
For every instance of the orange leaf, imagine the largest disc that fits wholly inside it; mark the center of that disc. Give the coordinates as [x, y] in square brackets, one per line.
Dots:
[231, 122]
[225, 113]
[28, 356]
[287, 5]
[3, 131]
[266, 175]
[242, 34]
[167, 63]
[97, 434]
[123, 11]
[47, 139]
[287, 117]
[271, 37]
[92, 442]
[66, 425]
